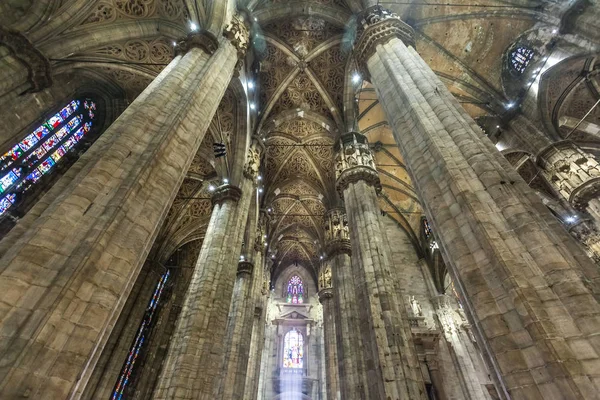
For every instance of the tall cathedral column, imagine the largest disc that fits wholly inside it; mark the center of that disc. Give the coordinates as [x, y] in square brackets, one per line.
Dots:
[258, 297]
[329, 332]
[239, 325]
[520, 277]
[392, 367]
[193, 365]
[66, 278]
[338, 249]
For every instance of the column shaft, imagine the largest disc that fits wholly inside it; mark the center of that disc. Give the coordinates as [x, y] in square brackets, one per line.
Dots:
[522, 283]
[349, 341]
[68, 276]
[389, 353]
[196, 354]
[331, 355]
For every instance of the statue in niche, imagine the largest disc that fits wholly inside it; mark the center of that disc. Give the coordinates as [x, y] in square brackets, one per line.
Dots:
[416, 307]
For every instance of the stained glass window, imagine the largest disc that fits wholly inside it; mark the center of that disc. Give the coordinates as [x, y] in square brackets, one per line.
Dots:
[426, 228]
[295, 290]
[520, 58]
[293, 349]
[140, 338]
[36, 155]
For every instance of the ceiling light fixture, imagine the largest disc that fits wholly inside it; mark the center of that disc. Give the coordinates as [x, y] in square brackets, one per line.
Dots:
[193, 26]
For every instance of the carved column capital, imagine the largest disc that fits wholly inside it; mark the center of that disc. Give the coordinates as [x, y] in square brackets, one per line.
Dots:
[238, 34]
[574, 173]
[204, 40]
[337, 235]
[38, 66]
[354, 162]
[245, 267]
[226, 192]
[325, 294]
[377, 25]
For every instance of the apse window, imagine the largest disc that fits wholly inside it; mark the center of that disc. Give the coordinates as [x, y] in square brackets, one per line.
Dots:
[520, 58]
[295, 290]
[36, 155]
[293, 350]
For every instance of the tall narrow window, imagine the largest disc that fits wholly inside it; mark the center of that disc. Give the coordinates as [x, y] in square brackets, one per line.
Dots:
[295, 290]
[520, 58]
[293, 350]
[34, 156]
[138, 342]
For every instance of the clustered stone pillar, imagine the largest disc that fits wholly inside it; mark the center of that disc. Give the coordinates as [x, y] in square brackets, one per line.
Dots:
[329, 332]
[66, 278]
[237, 340]
[258, 297]
[522, 280]
[391, 362]
[338, 250]
[193, 365]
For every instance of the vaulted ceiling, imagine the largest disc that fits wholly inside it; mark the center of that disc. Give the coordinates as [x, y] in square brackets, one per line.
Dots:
[306, 94]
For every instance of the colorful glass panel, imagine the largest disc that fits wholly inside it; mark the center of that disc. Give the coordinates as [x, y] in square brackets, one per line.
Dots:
[55, 120]
[9, 179]
[139, 339]
[295, 290]
[6, 202]
[293, 349]
[65, 130]
[59, 153]
[520, 58]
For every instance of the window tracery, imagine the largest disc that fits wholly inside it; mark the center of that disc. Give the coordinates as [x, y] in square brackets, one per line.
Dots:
[520, 58]
[295, 290]
[37, 154]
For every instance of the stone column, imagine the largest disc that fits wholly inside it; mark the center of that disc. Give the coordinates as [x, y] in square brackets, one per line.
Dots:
[259, 292]
[239, 325]
[390, 357]
[519, 272]
[193, 365]
[67, 277]
[329, 332]
[352, 375]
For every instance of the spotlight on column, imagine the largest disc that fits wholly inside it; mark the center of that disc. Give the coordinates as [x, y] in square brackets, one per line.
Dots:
[510, 105]
[250, 85]
[242, 258]
[174, 43]
[225, 180]
[269, 210]
[571, 218]
[193, 26]
[252, 106]
[356, 78]
[211, 188]
[320, 257]
[555, 31]
[259, 178]
[260, 190]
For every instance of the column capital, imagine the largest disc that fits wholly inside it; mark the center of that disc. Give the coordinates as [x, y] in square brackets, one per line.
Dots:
[238, 34]
[354, 162]
[38, 66]
[575, 173]
[226, 192]
[337, 235]
[204, 40]
[378, 25]
[325, 294]
[245, 267]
